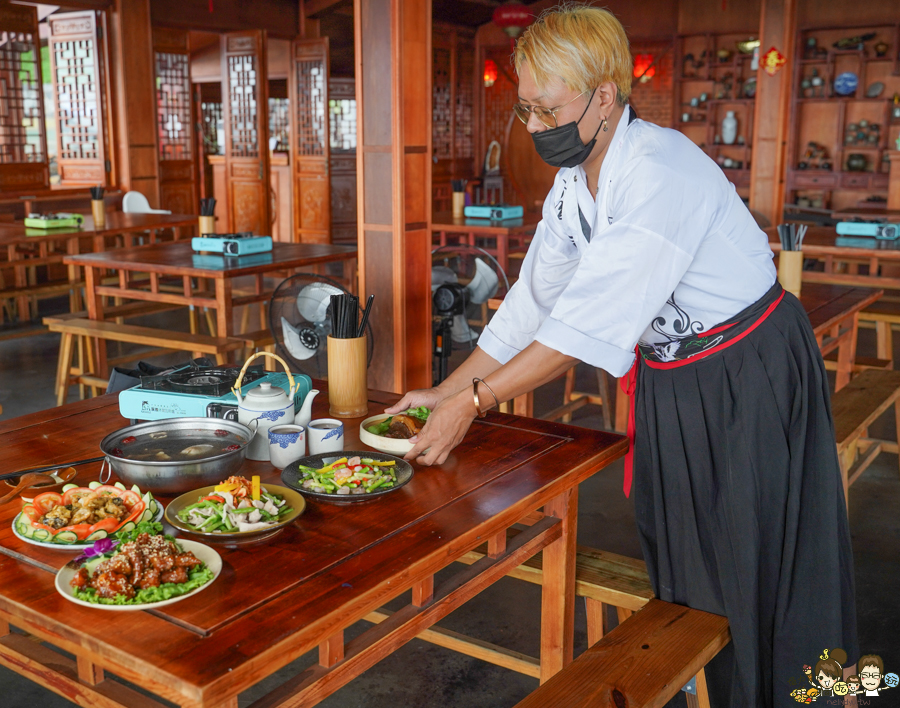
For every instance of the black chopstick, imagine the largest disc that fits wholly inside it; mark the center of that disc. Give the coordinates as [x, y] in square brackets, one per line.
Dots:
[97, 193]
[365, 317]
[51, 468]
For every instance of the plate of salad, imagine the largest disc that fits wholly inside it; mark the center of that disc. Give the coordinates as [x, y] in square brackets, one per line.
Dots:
[74, 518]
[347, 476]
[145, 573]
[237, 509]
[391, 433]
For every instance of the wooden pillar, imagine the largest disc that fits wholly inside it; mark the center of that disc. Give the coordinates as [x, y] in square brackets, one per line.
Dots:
[134, 96]
[893, 200]
[393, 98]
[778, 25]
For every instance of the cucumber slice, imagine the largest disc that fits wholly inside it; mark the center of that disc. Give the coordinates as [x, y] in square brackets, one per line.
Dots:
[41, 534]
[119, 485]
[153, 506]
[94, 485]
[136, 489]
[96, 536]
[147, 515]
[69, 486]
[64, 537]
[130, 526]
[25, 528]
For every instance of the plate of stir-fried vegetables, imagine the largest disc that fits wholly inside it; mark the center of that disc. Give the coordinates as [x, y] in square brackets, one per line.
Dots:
[235, 509]
[347, 476]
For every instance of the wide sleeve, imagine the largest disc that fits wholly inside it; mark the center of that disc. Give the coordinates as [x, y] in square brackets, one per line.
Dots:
[631, 268]
[549, 264]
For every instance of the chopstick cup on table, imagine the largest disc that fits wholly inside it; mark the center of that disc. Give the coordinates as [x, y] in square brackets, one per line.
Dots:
[790, 260]
[348, 392]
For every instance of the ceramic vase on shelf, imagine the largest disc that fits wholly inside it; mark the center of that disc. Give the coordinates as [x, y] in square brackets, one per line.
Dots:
[729, 128]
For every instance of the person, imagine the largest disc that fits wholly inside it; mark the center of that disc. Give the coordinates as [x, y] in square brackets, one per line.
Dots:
[829, 671]
[646, 263]
[871, 671]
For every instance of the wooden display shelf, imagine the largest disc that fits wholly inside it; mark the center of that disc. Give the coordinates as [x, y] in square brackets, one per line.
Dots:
[824, 119]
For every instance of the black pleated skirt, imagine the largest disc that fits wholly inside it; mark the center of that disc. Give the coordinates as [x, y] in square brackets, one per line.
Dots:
[740, 506]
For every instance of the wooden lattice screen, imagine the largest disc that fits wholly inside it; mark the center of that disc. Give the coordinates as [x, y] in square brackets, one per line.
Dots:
[442, 111]
[77, 71]
[310, 140]
[243, 109]
[211, 124]
[342, 106]
[280, 121]
[23, 144]
[173, 91]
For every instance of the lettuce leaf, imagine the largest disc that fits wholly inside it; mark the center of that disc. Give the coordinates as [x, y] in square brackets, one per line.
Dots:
[197, 577]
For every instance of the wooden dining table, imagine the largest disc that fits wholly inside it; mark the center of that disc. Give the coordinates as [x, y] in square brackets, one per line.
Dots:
[301, 590]
[26, 248]
[194, 270]
[499, 238]
[853, 261]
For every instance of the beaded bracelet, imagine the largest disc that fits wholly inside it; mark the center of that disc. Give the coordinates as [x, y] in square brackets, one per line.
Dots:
[475, 383]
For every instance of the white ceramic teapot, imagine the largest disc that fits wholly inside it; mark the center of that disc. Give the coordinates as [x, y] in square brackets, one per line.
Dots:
[268, 405]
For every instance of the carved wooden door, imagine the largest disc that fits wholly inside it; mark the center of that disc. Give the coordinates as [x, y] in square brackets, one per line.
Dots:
[77, 67]
[174, 125]
[245, 107]
[310, 148]
[24, 163]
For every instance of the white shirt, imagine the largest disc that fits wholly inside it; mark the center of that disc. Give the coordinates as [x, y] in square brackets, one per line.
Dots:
[672, 252]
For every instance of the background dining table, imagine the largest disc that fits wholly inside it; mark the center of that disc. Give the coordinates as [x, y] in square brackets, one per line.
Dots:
[499, 238]
[27, 248]
[194, 270]
[302, 589]
[833, 312]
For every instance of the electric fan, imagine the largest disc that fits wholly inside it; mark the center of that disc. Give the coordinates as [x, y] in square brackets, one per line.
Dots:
[300, 322]
[463, 279]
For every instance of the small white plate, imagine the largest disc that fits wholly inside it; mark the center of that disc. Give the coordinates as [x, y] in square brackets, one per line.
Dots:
[212, 560]
[392, 446]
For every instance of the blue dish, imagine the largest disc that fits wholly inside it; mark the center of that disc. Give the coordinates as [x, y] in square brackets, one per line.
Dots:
[845, 84]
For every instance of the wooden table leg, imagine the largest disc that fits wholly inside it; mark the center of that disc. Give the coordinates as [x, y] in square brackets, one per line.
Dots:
[623, 404]
[558, 591]
[846, 354]
[95, 312]
[88, 672]
[503, 252]
[331, 651]
[224, 308]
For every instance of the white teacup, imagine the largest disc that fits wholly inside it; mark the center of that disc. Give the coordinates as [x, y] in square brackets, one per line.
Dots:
[325, 435]
[286, 444]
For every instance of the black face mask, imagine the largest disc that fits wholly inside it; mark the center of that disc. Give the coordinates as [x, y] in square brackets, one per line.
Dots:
[562, 146]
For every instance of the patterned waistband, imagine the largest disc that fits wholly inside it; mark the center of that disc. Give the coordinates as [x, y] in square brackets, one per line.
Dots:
[679, 351]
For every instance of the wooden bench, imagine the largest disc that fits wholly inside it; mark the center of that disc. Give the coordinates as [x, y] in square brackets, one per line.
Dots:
[854, 408]
[642, 663]
[133, 334]
[601, 578]
[882, 314]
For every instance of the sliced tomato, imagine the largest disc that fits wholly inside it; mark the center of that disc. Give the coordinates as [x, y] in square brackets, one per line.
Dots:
[80, 530]
[70, 495]
[109, 524]
[47, 501]
[135, 512]
[33, 514]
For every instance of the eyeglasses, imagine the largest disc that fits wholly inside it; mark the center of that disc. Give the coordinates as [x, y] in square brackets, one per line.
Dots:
[874, 675]
[547, 116]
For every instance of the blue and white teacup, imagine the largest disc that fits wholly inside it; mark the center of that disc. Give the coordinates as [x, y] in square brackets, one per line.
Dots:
[325, 435]
[286, 444]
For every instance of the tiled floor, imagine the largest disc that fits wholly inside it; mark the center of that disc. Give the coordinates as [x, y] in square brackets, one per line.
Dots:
[423, 675]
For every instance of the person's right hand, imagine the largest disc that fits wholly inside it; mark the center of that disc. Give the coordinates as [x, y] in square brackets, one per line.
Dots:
[428, 397]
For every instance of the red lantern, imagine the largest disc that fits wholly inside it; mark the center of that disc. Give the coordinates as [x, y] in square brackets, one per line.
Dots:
[643, 67]
[490, 72]
[512, 18]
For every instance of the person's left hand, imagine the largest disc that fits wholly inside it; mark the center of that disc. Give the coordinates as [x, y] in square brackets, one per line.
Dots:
[446, 426]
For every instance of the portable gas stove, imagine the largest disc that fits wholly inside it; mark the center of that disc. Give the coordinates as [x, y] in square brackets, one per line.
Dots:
[200, 392]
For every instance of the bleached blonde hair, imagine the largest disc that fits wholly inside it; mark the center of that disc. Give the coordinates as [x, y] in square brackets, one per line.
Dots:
[582, 45]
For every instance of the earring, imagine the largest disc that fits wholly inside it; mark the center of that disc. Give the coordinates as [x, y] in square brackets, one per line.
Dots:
[605, 125]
